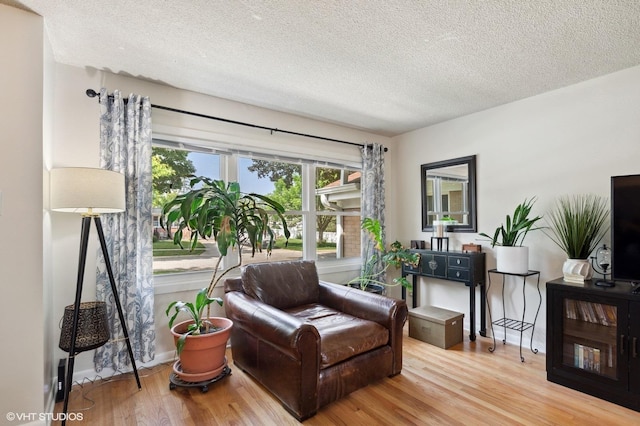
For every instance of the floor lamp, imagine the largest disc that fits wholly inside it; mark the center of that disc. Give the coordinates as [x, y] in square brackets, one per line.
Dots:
[90, 192]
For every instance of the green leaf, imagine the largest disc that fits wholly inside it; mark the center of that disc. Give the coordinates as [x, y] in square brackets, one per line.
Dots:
[181, 342]
[185, 207]
[578, 224]
[515, 229]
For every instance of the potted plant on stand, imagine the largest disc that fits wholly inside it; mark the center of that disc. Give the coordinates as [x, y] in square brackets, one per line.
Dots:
[371, 277]
[218, 210]
[511, 256]
[577, 225]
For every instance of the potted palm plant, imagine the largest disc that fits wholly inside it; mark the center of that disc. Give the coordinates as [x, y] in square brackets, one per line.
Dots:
[371, 277]
[218, 210]
[511, 255]
[577, 225]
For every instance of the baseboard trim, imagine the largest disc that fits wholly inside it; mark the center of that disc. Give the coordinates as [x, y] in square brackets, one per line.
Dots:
[85, 376]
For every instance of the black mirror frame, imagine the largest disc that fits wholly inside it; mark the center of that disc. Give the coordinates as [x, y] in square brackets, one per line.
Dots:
[470, 161]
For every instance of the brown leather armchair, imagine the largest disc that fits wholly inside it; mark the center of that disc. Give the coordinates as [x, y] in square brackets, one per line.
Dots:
[307, 341]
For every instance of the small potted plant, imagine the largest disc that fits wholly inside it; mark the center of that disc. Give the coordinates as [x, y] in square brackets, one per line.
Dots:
[442, 226]
[511, 255]
[577, 225]
[218, 210]
[208, 334]
[371, 277]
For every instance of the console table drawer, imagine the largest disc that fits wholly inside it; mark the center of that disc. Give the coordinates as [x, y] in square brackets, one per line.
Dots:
[434, 265]
[458, 274]
[459, 262]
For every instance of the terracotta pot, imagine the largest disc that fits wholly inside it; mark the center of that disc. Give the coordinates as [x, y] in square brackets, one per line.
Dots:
[203, 355]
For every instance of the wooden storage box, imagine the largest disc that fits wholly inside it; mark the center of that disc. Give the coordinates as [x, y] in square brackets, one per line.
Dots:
[437, 326]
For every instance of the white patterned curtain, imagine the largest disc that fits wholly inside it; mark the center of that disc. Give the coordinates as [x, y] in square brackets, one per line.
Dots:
[372, 195]
[125, 147]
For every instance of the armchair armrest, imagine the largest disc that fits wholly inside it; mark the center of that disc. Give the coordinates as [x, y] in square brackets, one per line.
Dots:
[386, 311]
[278, 328]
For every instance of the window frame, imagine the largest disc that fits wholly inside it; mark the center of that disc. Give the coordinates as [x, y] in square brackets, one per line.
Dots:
[183, 281]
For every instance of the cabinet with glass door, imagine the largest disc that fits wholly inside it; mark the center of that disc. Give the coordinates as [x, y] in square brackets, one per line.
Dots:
[589, 341]
[592, 340]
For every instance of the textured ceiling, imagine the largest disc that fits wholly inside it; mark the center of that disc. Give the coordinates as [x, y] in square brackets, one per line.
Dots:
[386, 66]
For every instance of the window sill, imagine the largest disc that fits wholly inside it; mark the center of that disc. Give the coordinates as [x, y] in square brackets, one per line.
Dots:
[186, 281]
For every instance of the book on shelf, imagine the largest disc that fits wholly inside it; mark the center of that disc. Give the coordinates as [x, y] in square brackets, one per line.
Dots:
[602, 318]
[586, 358]
[596, 313]
[611, 314]
[610, 357]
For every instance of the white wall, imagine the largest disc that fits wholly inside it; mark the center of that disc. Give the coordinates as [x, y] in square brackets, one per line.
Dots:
[51, 331]
[564, 142]
[21, 217]
[76, 143]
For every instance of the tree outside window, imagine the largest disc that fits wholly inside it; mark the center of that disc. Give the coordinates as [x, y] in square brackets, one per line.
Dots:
[336, 215]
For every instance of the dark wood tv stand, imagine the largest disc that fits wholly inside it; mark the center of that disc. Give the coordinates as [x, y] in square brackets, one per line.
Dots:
[593, 340]
[466, 268]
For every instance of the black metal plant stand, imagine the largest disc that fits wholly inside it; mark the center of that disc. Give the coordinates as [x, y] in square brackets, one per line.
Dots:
[513, 324]
[84, 240]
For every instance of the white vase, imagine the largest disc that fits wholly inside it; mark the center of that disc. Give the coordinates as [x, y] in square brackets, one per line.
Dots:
[512, 260]
[577, 270]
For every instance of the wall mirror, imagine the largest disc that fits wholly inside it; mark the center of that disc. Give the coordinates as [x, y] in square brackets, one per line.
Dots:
[449, 192]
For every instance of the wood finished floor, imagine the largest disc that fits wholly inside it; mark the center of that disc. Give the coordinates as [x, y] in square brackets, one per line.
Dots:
[464, 385]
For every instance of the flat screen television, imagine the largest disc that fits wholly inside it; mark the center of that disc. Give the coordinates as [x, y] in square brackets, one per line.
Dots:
[625, 228]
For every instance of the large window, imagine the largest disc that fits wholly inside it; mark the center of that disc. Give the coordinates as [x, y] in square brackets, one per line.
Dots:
[322, 205]
[171, 169]
[337, 213]
[282, 182]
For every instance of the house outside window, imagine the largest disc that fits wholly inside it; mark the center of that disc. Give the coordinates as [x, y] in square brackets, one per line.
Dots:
[338, 211]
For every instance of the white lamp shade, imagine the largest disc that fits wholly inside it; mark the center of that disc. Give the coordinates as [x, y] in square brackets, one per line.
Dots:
[86, 190]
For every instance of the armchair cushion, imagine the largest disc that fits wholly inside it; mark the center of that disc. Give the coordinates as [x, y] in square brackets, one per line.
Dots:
[341, 335]
[282, 284]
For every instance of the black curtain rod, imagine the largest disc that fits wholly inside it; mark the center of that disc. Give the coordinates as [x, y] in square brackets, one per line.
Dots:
[92, 94]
